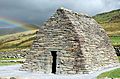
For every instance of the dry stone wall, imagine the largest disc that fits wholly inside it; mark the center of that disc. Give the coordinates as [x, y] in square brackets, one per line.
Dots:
[80, 43]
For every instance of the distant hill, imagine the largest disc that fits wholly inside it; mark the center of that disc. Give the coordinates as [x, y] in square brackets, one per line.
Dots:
[110, 22]
[17, 41]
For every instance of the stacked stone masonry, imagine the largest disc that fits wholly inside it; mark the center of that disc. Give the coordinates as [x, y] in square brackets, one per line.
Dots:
[79, 41]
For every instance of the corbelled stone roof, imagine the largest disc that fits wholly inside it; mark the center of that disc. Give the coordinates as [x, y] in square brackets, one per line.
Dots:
[80, 43]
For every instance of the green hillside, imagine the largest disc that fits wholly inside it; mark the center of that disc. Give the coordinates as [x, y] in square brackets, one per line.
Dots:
[17, 41]
[110, 22]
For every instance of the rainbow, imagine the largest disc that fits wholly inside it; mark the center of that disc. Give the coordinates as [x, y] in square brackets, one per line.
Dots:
[20, 24]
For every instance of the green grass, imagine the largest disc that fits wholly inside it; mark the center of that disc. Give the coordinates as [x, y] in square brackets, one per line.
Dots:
[110, 21]
[2, 63]
[115, 40]
[110, 74]
[7, 64]
[10, 58]
[119, 58]
[112, 16]
[17, 41]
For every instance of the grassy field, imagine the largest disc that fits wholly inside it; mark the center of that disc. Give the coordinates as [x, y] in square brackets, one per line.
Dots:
[112, 29]
[119, 58]
[110, 22]
[10, 59]
[17, 41]
[7, 64]
[110, 74]
[2, 63]
[115, 40]
[112, 16]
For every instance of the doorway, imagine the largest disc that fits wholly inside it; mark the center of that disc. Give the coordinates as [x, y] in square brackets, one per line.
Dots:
[54, 57]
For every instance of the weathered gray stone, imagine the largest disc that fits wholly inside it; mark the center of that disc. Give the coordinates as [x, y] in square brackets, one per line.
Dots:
[81, 45]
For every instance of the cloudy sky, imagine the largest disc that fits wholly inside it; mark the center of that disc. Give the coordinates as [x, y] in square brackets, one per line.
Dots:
[37, 11]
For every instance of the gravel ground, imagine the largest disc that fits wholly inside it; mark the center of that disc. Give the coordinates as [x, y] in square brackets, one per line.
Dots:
[13, 71]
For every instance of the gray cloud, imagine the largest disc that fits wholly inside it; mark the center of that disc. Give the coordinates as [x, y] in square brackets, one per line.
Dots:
[37, 11]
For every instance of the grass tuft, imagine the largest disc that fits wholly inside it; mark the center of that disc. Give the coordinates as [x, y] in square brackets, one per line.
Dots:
[110, 74]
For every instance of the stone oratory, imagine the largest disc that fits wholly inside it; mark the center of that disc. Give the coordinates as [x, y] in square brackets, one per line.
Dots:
[70, 43]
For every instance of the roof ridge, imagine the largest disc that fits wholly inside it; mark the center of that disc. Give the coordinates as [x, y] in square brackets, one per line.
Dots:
[73, 12]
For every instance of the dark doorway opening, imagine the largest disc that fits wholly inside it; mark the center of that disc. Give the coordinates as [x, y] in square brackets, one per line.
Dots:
[54, 55]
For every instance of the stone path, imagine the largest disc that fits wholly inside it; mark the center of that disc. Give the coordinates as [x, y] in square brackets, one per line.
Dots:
[13, 71]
